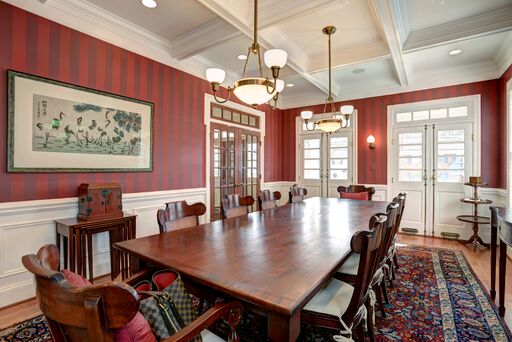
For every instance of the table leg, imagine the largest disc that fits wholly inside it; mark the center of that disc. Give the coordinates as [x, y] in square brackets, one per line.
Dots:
[71, 245]
[83, 240]
[78, 251]
[65, 248]
[493, 260]
[283, 328]
[89, 256]
[503, 270]
[57, 241]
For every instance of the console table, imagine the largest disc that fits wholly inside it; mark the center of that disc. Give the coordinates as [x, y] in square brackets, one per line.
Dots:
[77, 239]
[501, 221]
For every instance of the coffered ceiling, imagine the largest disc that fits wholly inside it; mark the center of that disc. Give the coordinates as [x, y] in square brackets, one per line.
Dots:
[380, 46]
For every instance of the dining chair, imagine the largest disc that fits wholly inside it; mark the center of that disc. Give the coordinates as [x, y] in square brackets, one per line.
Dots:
[179, 215]
[348, 271]
[392, 260]
[268, 200]
[297, 194]
[233, 205]
[340, 305]
[103, 312]
[358, 192]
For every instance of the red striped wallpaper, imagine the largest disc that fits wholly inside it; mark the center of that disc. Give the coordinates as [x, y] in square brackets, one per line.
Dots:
[507, 75]
[36, 45]
[372, 120]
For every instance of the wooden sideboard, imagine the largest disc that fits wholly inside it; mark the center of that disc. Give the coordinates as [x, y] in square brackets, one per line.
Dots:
[77, 241]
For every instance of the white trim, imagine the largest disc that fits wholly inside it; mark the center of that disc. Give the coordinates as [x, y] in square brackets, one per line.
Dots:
[208, 100]
[508, 156]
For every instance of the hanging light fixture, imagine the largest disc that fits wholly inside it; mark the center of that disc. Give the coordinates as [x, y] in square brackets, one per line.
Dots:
[253, 90]
[335, 121]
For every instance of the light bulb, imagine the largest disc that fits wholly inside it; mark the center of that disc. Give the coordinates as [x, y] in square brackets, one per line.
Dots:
[370, 139]
[215, 75]
[275, 58]
[279, 85]
[306, 114]
[346, 109]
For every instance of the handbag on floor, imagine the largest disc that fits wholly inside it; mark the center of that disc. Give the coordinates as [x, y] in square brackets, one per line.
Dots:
[169, 309]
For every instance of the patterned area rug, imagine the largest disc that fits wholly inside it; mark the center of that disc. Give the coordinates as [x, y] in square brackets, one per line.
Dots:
[436, 297]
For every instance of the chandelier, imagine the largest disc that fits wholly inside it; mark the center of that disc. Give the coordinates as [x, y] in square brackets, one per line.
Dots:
[253, 90]
[335, 121]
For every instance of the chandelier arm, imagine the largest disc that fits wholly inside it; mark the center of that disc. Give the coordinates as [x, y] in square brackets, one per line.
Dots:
[246, 61]
[226, 99]
[271, 90]
[307, 126]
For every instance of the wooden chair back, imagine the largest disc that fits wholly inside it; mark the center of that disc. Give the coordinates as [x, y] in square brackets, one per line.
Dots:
[233, 205]
[400, 199]
[268, 200]
[388, 230]
[357, 189]
[87, 314]
[179, 215]
[366, 243]
[297, 194]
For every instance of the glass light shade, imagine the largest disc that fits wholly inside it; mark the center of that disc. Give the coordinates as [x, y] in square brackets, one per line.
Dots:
[279, 85]
[306, 114]
[347, 109]
[329, 125]
[215, 75]
[149, 3]
[253, 91]
[275, 58]
[370, 139]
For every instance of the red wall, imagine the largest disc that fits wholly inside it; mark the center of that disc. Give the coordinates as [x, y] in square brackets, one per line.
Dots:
[503, 120]
[36, 45]
[372, 113]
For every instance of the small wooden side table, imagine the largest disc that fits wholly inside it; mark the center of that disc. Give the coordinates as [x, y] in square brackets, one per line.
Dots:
[77, 239]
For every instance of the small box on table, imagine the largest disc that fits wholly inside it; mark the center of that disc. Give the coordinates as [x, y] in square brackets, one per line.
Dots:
[99, 201]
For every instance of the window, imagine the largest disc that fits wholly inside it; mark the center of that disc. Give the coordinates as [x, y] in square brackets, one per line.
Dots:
[231, 115]
[450, 156]
[312, 158]
[410, 157]
[338, 158]
[432, 114]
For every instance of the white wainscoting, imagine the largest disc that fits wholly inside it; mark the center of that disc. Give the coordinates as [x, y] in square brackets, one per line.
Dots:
[282, 187]
[26, 226]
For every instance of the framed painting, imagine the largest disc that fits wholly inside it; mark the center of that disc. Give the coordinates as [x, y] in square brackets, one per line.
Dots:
[61, 127]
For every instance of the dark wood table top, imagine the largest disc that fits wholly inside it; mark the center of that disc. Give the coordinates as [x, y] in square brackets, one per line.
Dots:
[276, 259]
[505, 217]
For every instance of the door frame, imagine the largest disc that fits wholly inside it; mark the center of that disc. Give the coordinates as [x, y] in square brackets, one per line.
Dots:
[298, 151]
[208, 100]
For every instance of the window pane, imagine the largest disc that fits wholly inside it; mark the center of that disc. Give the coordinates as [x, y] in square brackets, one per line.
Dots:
[226, 115]
[450, 149]
[410, 163]
[339, 152]
[339, 142]
[454, 135]
[311, 174]
[311, 143]
[311, 163]
[311, 154]
[252, 121]
[216, 112]
[403, 117]
[438, 113]
[450, 176]
[236, 117]
[410, 151]
[339, 163]
[410, 138]
[245, 119]
[421, 115]
[450, 162]
[458, 111]
[409, 176]
[339, 174]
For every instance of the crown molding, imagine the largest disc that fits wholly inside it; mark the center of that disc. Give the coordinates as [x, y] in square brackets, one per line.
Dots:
[278, 11]
[492, 22]
[504, 55]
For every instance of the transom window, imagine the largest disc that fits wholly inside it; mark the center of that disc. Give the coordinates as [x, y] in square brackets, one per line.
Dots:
[234, 116]
[432, 114]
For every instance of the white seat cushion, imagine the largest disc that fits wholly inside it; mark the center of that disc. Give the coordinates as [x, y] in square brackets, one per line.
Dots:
[333, 299]
[208, 336]
[351, 265]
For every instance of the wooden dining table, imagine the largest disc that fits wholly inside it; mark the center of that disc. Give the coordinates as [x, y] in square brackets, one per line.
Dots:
[274, 260]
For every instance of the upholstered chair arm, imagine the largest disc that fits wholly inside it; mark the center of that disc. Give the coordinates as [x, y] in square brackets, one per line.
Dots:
[231, 311]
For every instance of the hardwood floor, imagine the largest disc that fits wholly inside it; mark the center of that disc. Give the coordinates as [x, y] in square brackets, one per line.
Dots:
[478, 260]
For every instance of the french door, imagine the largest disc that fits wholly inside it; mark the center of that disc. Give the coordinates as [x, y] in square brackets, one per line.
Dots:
[235, 165]
[431, 164]
[325, 162]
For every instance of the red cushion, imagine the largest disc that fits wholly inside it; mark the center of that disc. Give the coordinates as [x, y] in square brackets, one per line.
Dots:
[163, 279]
[137, 329]
[75, 280]
[362, 196]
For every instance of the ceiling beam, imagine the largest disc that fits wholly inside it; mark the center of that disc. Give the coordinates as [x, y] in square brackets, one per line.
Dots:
[278, 11]
[388, 15]
[239, 18]
[492, 22]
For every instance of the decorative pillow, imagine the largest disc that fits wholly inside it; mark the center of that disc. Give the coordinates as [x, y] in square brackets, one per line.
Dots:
[75, 279]
[362, 196]
[136, 330]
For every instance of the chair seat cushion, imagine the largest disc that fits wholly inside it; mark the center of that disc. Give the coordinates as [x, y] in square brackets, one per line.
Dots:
[351, 265]
[208, 336]
[75, 280]
[362, 196]
[333, 299]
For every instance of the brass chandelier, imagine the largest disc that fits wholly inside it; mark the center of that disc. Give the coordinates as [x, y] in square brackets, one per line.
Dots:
[335, 121]
[253, 90]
